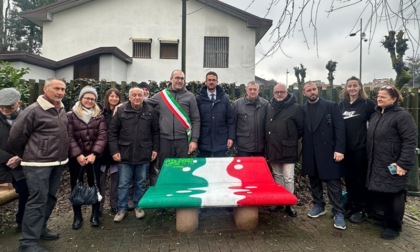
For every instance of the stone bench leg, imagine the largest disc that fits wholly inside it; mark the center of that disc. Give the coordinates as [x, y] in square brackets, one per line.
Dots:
[246, 218]
[187, 219]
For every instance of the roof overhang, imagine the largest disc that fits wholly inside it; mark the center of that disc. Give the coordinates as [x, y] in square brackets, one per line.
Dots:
[54, 65]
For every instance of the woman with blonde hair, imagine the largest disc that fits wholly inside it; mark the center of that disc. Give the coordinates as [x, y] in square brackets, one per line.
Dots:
[88, 137]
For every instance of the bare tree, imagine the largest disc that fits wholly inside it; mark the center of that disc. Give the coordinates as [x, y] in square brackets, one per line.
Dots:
[397, 15]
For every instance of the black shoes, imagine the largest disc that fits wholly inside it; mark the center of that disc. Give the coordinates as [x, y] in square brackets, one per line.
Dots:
[77, 221]
[389, 234]
[291, 211]
[49, 235]
[94, 218]
[358, 217]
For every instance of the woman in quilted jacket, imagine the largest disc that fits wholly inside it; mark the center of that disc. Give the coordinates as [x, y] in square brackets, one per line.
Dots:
[88, 137]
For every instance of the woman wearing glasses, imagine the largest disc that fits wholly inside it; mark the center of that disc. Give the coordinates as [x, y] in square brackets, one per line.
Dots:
[88, 138]
[356, 108]
[391, 144]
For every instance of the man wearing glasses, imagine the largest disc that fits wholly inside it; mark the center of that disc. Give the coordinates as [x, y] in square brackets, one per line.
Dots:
[10, 169]
[217, 121]
[284, 127]
[179, 119]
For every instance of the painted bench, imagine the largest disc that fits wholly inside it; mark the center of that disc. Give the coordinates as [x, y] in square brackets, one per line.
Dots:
[189, 184]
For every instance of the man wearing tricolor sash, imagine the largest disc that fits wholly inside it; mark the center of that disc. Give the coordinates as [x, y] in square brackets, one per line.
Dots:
[179, 119]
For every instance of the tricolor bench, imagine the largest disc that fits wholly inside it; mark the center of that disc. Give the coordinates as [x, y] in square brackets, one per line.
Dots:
[188, 184]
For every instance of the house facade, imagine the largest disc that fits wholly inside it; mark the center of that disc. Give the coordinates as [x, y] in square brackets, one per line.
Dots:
[141, 40]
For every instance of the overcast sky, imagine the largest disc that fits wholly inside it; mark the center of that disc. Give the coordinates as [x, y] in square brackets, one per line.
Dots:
[334, 43]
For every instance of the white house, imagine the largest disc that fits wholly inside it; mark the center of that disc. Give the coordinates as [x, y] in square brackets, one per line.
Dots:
[141, 40]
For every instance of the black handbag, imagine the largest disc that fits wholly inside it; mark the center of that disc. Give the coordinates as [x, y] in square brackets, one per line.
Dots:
[83, 194]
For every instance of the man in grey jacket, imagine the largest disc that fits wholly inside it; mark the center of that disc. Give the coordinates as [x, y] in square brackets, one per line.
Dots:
[250, 114]
[39, 136]
[179, 119]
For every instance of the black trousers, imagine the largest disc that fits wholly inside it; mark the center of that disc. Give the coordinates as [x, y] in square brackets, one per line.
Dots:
[356, 172]
[334, 193]
[21, 188]
[172, 149]
[394, 207]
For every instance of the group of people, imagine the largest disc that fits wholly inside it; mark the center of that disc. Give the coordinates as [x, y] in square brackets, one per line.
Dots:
[354, 139]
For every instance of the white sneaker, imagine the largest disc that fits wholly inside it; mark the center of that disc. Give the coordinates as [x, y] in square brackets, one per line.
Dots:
[139, 213]
[120, 216]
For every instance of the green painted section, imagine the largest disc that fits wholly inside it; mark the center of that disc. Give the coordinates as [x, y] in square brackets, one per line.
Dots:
[175, 185]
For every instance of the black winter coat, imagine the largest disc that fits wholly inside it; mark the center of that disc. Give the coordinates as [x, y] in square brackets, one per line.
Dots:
[134, 133]
[86, 138]
[6, 173]
[217, 121]
[106, 158]
[391, 138]
[284, 127]
[322, 139]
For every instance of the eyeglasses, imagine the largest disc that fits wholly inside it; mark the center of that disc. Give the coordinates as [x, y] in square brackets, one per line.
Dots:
[179, 78]
[10, 107]
[89, 99]
[279, 92]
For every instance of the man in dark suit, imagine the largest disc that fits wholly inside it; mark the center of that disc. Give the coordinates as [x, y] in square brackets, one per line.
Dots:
[322, 152]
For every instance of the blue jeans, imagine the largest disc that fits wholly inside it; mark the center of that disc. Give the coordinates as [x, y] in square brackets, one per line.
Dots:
[128, 173]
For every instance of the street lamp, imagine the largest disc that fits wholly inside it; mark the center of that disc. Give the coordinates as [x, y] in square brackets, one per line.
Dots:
[362, 38]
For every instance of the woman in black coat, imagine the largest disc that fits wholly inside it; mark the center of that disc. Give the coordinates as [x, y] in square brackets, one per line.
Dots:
[391, 142]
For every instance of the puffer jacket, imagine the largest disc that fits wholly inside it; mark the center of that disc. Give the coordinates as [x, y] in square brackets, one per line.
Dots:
[86, 138]
[391, 138]
[217, 121]
[250, 124]
[134, 133]
[284, 127]
[39, 135]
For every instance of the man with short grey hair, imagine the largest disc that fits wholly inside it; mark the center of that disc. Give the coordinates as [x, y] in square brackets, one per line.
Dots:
[39, 136]
[249, 112]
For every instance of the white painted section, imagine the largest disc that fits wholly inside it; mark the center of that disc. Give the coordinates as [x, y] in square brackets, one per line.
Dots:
[66, 73]
[112, 69]
[112, 23]
[35, 72]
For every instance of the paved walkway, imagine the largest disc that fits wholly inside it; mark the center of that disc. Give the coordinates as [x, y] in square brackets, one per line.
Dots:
[217, 232]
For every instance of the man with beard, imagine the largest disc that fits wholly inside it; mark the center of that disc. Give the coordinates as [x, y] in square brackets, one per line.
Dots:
[323, 149]
[217, 122]
[284, 127]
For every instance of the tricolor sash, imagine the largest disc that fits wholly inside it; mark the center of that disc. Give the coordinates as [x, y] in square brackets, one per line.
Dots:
[177, 110]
